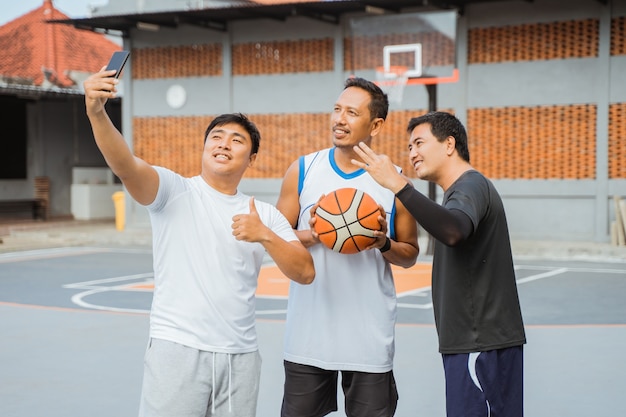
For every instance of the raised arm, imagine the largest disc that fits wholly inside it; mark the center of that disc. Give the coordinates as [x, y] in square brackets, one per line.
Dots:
[451, 227]
[140, 179]
[380, 167]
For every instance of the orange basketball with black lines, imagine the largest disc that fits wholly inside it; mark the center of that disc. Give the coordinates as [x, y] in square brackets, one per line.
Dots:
[346, 220]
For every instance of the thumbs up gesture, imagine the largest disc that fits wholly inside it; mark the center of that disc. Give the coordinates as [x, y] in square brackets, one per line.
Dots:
[249, 227]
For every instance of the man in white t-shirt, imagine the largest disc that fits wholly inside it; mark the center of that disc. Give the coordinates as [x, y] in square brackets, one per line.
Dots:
[209, 241]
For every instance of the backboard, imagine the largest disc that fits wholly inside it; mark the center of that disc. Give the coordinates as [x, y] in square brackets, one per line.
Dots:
[403, 49]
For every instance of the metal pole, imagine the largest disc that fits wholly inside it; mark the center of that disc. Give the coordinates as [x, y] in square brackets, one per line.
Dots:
[432, 187]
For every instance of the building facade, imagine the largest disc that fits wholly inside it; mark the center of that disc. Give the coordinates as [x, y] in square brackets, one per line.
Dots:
[541, 90]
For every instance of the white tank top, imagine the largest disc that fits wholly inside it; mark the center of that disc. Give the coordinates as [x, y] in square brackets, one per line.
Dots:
[345, 319]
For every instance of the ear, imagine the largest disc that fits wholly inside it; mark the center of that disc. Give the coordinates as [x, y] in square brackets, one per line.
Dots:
[377, 125]
[450, 145]
[252, 159]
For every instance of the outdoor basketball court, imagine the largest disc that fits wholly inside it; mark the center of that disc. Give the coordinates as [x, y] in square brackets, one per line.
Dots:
[75, 326]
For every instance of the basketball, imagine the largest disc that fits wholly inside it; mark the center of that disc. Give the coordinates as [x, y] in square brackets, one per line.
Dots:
[346, 220]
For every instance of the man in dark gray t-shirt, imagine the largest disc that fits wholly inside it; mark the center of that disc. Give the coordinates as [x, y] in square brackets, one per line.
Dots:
[475, 300]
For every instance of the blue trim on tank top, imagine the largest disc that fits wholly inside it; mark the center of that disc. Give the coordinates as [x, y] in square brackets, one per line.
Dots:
[333, 164]
[331, 156]
[331, 159]
[300, 174]
[391, 221]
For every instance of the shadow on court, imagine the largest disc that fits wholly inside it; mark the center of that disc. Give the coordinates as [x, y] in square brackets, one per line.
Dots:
[75, 325]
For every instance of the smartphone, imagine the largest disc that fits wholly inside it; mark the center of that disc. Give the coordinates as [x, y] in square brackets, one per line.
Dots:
[117, 62]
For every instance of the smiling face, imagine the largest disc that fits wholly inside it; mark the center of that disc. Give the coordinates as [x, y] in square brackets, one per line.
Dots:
[427, 154]
[351, 120]
[227, 155]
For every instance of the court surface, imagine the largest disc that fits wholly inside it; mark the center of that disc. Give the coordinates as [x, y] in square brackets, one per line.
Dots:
[75, 325]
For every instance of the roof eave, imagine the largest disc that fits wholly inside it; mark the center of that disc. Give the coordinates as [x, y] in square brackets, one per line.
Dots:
[35, 92]
[218, 18]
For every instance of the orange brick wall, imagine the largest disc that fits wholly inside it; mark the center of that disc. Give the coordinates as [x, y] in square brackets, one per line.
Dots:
[178, 61]
[552, 142]
[281, 57]
[618, 36]
[617, 141]
[284, 138]
[528, 42]
[542, 142]
[172, 142]
[177, 142]
[617, 111]
[531, 42]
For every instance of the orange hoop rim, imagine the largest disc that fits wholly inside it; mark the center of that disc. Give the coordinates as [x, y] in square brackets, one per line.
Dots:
[395, 70]
[382, 81]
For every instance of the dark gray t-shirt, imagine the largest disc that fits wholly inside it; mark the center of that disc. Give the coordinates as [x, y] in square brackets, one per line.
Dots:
[475, 296]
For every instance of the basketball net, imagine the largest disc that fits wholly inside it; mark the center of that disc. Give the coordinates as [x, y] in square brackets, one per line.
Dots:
[392, 82]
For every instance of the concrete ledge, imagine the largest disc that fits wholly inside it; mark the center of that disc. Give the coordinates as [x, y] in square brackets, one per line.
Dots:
[39, 235]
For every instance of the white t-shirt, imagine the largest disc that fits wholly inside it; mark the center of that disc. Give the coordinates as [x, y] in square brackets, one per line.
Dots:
[205, 279]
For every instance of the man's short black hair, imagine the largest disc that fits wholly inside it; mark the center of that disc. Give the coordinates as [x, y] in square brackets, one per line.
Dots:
[379, 103]
[243, 121]
[443, 125]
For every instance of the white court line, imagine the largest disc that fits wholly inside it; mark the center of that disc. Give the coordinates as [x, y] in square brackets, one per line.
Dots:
[268, 312]
[88, 284]
[78, 300]
[553, 272]
[572, 269]
[96, 287]
[61, 252]
[46, 254]
[549, 273]
[420, 292]
[426, 306]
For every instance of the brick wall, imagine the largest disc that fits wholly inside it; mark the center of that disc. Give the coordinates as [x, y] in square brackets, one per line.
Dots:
[543, 142]
[617, 141]
[172, 142]
[178, 61]
[279, 57]
[532, 42]
[618, 36]
[176, 142]
[551, 142]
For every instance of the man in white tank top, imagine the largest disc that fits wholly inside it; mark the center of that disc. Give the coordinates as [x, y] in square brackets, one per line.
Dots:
[208, 246]
[344, 321]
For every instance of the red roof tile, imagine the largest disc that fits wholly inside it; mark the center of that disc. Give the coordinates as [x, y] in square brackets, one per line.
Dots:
[28, 45]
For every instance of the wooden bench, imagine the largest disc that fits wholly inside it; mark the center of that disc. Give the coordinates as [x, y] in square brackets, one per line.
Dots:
[35, 206]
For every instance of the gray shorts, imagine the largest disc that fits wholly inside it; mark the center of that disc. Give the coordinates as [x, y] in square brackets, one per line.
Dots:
[180, 381]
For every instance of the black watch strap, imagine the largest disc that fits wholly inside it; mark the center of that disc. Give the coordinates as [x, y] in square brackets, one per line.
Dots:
[386, 246]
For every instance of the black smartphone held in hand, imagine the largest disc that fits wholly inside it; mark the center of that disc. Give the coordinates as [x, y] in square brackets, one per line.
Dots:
[117, 62]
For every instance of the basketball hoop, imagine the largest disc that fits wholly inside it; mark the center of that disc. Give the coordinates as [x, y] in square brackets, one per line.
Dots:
[392, 81]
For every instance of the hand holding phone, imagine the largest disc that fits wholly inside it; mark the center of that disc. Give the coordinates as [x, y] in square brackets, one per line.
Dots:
[117, 62]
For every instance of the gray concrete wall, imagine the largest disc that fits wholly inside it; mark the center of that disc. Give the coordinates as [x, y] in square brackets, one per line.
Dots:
[537, 209]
